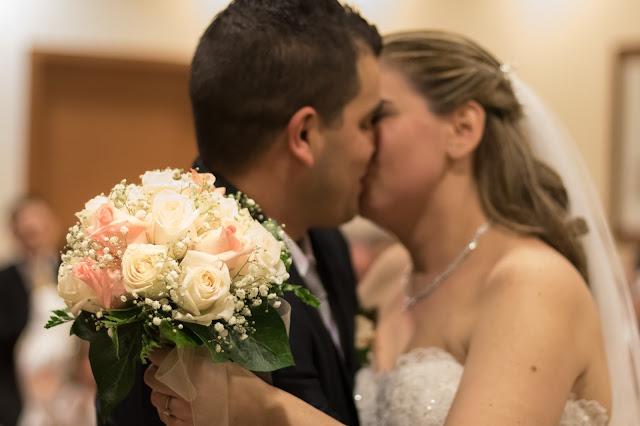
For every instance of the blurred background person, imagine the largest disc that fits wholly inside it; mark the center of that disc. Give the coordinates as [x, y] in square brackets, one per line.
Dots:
[35, 265]
[44, 378]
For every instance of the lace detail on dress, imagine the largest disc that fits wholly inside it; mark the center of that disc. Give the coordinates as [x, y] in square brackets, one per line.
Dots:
[581, 412]
[422, 387]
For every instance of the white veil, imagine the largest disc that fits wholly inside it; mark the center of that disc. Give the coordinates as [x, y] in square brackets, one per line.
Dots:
[552, 144]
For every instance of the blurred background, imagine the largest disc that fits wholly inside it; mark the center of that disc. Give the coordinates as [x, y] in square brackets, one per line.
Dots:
[92, 91]
[98, 74]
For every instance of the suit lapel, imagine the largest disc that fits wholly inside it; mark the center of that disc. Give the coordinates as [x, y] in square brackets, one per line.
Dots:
[333, 285]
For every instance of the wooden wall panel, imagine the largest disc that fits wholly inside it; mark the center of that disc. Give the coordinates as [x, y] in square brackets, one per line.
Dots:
[97, 120]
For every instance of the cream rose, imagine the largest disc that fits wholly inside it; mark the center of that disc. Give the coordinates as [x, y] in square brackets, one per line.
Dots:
[172, 218]
[160, 180]
[75, 292]
[141, 267]
[265, 259]
[204, 294]
[225, 210]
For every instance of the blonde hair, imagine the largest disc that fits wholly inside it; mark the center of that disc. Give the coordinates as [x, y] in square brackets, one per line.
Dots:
[516, 189]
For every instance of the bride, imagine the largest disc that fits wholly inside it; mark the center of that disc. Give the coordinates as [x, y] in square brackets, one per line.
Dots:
[498, 325]
[515, 312]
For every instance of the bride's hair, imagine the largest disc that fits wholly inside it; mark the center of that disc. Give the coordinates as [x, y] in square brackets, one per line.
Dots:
[516, 189]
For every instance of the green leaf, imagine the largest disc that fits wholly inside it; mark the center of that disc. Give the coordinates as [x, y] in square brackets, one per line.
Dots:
[265, 350]
[114, 371]
[84, 326]
[148, 345]
[206, 334]
[123, 316]
[303, 294]
[60, 317]
[180, 337]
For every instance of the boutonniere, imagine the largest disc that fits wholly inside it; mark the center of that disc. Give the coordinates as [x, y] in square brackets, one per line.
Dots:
[364, 336]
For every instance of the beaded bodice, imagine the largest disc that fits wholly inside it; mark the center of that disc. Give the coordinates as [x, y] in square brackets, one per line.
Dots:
[420, 391]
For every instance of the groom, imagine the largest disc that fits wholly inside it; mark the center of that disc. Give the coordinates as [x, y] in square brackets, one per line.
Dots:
[283, 95]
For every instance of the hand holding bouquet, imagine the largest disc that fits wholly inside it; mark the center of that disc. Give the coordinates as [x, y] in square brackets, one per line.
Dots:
[174, 261]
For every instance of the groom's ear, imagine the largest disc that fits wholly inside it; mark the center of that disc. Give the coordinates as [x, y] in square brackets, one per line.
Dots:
[302, 133]
[468, 127]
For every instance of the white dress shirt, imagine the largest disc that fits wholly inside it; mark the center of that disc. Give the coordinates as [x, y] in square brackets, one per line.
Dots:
[305, 263]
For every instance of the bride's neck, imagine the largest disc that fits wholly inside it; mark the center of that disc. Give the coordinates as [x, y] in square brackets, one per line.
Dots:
[443, 229]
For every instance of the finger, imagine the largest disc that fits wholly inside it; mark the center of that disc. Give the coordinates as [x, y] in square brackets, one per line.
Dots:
[157, 385]
[173, 421]
[172, 410]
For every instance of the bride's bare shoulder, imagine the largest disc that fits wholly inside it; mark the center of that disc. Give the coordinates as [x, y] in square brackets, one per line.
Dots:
[530, 270]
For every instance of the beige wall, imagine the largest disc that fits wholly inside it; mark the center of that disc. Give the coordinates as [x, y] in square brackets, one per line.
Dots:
[563, 48]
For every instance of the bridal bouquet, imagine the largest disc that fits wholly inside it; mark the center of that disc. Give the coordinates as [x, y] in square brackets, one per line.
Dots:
[174, 261]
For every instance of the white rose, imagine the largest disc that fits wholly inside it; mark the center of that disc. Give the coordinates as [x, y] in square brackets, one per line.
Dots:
[90, 208]
[141, 266]
[159, 180]
[223, 209]
[76, 294]
[172, 218]
[135, 194]
[265, 259]
[204, 293]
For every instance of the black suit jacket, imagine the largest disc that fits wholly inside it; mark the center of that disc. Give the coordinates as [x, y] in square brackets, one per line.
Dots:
[13, 319]
[321, 376]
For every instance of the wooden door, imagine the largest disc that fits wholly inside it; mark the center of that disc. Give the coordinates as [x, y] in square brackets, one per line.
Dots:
[98, 120]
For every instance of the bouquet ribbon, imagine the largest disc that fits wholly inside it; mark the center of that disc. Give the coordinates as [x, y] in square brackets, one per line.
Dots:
[191, 374]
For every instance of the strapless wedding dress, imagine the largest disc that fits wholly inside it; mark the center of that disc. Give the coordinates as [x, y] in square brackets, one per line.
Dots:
[420, 391]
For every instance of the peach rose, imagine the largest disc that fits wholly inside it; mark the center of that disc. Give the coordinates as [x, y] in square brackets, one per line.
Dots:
[75, 292]
[110, 222]
[224, 243]
[106, 283]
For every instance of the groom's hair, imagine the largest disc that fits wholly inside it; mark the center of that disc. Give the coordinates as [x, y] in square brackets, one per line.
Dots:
[262, 60]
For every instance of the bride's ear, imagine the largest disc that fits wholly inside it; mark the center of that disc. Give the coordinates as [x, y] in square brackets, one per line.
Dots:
[468, 128]
[303, 135]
